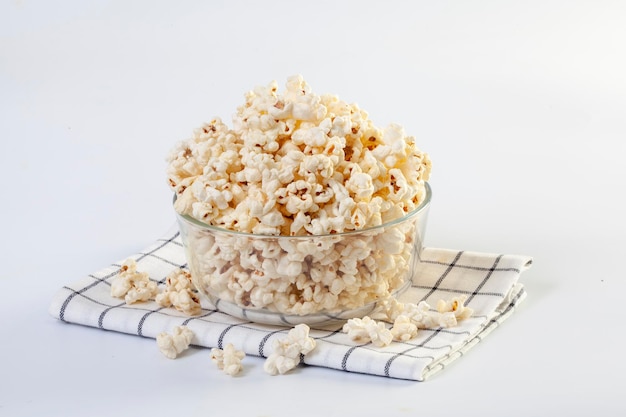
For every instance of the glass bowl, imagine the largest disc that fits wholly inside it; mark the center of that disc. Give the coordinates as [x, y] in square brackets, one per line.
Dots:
[314, 279]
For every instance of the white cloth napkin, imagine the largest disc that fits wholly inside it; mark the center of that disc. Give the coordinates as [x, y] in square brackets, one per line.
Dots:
[489, 281]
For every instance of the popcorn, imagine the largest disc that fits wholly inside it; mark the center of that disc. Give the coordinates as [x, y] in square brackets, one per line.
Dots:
[388, 309]
[457, 306]
[448, 313]
[141, 291]
[407, 318]
[299, 136]
[287, 351]
[299, 164]
[367, 330]
[229, 359]
[403, 329]
[179, 293]
[132, 285]
[172, 345]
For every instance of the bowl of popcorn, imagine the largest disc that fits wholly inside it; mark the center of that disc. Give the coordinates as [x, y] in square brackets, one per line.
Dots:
[303, 212]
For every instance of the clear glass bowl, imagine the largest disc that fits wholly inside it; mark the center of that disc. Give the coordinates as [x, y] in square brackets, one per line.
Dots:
[317, 280]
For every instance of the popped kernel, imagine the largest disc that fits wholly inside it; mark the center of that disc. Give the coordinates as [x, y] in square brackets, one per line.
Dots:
[132, 285]
[229, 359]
[366, 330]
[171, 345]
[457, 306]
[179, 293]
[288, 351]
[403, 329]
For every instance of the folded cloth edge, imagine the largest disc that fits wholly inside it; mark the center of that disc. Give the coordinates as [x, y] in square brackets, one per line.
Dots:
[504, 311]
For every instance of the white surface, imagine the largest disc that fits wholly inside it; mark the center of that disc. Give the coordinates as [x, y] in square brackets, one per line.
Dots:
[521, 105]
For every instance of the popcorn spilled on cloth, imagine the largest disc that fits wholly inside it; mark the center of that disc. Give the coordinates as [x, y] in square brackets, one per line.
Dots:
[287, 351]
[489, 280]
[179, 293]
[407, 318]
[133, 285]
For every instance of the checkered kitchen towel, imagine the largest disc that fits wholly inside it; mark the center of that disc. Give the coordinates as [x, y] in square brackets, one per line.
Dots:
[489, 281]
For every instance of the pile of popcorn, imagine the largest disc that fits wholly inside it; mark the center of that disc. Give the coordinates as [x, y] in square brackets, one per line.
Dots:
[301, 165]
[297, 163]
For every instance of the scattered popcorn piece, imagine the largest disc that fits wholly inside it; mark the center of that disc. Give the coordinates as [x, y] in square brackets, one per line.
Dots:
[447, 319]
[299, 336]
[132, 285]
[125, 278]
[457, 306]
[287, 351]
[179, 293]
[403, 329]
[388, 309]
[424, 317]
[172, 345]
[141, 291]
[229, 359]
[367, 330]
[277, 364]
[186, 301]
[421, 315]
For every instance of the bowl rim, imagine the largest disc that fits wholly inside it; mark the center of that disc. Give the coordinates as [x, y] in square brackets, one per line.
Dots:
[423, 206]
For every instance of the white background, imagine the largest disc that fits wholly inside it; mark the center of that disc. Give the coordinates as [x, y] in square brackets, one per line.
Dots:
[521, 105]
